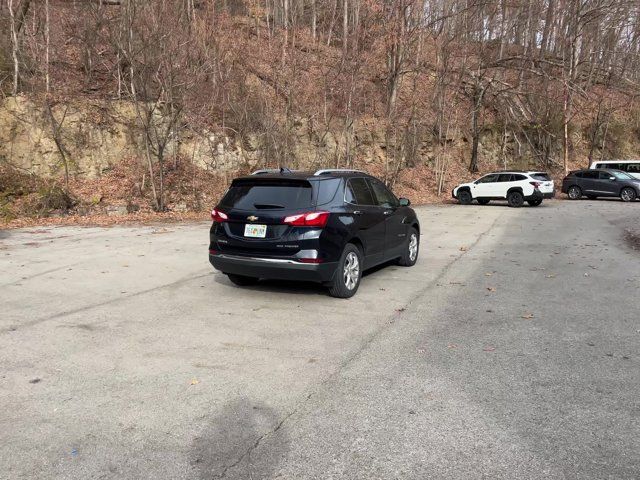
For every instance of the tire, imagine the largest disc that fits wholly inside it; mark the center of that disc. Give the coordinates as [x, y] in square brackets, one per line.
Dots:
[574, 192]
[411, 249]
[464, 197]
[242, 280]
[515, 199]
[345, 284]
[628, 194]
[591, 197]
[483, 201]
[534, 203]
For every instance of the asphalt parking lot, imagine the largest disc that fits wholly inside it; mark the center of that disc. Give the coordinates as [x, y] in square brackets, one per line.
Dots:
[511, 350]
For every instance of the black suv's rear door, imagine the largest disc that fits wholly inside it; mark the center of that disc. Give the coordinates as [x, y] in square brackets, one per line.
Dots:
[589, 181]
[369, 218]
[396, 229]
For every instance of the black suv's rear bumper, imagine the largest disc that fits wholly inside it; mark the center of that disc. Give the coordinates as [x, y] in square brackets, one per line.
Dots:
[274, 268]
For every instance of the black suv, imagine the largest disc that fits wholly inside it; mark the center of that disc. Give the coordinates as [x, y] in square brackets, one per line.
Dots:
[601, 183]
[325, 227]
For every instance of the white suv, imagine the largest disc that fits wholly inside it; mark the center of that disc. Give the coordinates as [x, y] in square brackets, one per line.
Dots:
[515, 187]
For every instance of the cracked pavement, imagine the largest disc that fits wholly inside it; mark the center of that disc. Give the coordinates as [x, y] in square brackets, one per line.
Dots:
[509, 351]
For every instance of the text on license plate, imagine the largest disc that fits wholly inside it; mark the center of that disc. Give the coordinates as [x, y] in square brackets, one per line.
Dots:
[255, 231]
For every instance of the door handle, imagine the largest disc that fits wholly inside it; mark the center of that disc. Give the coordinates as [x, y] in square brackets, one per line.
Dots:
[388, 212]
[357, 212]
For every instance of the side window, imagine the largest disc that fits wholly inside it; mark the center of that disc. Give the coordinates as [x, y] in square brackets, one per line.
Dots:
[633, 167]
[493, 177]
[592, 175]
[383, 196]
[517, 178]
[358, 192]
[599, 165]
[504, 177]
[327, 190]
[604, 175]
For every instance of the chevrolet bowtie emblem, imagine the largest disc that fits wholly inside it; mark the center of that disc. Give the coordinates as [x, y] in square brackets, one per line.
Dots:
[252, 218]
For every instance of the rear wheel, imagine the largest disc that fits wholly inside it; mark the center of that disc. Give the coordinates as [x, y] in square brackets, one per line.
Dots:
[346, 280]
[242, 280]
[483, 201]
[628, 194]
[412, 248]
[464, 197]
[574, 192]
[515, 199]
[534, 203]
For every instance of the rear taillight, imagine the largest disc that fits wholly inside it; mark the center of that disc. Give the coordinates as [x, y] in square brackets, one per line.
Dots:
[309, 219]
[535, 184]
[310, 260]
[218, 216]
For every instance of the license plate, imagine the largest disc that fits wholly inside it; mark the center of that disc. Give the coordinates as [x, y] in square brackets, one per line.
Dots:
[255, 231]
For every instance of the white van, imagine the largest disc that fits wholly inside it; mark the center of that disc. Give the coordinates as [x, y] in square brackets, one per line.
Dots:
[632, 167]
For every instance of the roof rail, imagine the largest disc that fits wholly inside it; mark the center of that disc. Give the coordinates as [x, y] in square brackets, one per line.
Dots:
[336, 170]
[281, 170]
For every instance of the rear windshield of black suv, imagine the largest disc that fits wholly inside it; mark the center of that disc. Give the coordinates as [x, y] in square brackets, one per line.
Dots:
[268, 194]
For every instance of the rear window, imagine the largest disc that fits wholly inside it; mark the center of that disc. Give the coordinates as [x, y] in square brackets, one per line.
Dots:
[268, 194]
[542, 176]
[327, 190]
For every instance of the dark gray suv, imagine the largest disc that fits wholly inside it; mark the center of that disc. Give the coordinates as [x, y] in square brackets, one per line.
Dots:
[601, 183]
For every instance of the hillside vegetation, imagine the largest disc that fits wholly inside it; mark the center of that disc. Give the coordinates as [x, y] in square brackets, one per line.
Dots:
[155, 105]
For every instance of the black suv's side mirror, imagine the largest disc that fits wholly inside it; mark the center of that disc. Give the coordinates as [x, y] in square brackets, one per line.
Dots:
[404, 202]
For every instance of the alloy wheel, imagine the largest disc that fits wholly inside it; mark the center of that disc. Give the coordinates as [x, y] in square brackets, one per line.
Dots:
[627, 195]
[574, 193]
[351, 271]
[413, 247]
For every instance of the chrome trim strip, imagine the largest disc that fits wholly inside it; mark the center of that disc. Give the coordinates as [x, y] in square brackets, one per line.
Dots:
[257, 259]
[337, 170]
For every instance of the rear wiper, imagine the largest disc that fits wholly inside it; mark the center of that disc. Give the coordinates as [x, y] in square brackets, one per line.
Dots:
[267, 205]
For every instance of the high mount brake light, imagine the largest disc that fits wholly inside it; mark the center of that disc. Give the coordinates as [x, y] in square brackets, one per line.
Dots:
[218, 216]
[308, 219]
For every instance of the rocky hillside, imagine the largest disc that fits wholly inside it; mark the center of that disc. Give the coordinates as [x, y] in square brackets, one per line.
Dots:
[110, 109]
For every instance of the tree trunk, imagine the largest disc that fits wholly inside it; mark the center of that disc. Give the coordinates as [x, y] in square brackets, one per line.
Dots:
[345, 27]
[314, 20]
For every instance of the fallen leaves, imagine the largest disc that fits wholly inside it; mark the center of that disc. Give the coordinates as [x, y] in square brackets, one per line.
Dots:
[491, 289]
[527, 316]
[195, 381]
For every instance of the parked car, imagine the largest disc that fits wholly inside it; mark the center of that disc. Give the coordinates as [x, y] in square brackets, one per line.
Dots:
[515, 187]
[632, 167]
[326, 226]
[601, 183]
